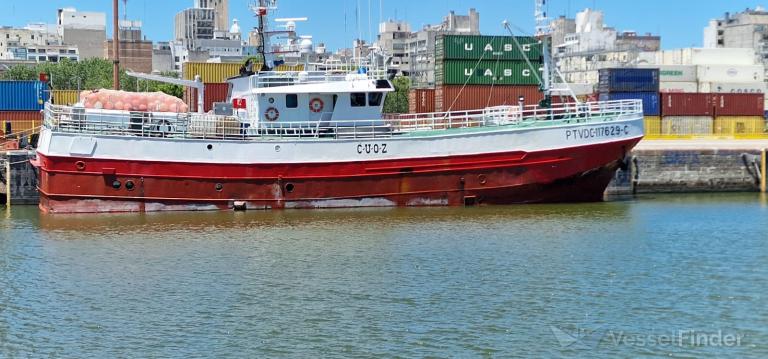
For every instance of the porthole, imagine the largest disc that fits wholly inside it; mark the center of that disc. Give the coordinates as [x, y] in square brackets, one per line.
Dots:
[289, 187]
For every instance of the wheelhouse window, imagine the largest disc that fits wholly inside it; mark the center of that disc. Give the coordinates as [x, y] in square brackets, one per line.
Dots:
[358, 99]
[292, 101]
[374, 99]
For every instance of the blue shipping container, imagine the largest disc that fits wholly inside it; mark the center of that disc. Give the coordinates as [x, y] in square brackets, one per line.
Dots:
[628, 80]
[23, 95]
[651, 103]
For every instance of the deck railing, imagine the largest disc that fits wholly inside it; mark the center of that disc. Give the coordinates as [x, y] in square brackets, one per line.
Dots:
[208, 126]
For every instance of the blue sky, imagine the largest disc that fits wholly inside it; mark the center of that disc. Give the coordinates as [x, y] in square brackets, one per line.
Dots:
[680, 22]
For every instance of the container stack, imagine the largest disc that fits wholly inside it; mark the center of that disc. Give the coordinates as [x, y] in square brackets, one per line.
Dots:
[20, 105]
[214, 76]
[474, 72]
[632, 84]
[704, 114]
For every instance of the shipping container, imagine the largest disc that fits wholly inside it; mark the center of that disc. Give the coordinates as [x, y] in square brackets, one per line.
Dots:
[421, 101]
[678, 87]
[651, 105]
[628, 80]
[486, 72]
[714, 87]
[475, 47]
[687, 104]
[740, 126]
[213, 72]
[214, 92]
[674, 73]
[652, 126]
[731, 73]
[23, 95]
[739, 104]
[709, 56]
[476, 97]
[22, 122]
[66, 97]
[687, 125]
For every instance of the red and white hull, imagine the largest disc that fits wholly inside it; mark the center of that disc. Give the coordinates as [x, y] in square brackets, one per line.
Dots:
[571, 163]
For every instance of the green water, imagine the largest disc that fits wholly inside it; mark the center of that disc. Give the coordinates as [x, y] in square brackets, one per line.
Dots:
[610, 279]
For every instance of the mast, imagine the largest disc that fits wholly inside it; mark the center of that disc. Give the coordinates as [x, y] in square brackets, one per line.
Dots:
[115, 45]
[544, 34]
[261, 14]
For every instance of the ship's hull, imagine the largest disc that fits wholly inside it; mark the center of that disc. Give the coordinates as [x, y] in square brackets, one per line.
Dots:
[575, 173]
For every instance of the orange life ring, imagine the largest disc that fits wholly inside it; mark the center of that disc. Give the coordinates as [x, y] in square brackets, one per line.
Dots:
[271, 114]
[316, 105]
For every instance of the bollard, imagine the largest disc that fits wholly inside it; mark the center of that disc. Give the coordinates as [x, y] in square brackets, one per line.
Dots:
[8, 182]
[763, 171]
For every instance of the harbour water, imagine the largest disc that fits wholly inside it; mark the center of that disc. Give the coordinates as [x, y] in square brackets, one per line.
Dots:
[664, 275]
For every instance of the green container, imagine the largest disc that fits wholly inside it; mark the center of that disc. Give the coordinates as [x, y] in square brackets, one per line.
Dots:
[486, 72]
[474, 47]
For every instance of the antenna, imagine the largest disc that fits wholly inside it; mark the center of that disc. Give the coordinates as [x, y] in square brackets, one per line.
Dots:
[125, 9]
[542, 22]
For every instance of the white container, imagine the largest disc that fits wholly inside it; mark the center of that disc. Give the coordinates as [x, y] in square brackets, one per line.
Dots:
[719, 87]
[714, 56]
[677, 87]
[687, 125]
[674, 73]
[731, 73]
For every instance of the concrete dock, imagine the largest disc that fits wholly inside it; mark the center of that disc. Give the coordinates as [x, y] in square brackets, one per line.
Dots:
[692, 165]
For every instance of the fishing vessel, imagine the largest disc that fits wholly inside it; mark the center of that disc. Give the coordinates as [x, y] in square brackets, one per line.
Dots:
[318, 139]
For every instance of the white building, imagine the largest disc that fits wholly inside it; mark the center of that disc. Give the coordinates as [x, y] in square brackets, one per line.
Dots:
[86, 30]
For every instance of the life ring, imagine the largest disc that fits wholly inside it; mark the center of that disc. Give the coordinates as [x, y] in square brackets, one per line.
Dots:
[316, 105]
[271, 114]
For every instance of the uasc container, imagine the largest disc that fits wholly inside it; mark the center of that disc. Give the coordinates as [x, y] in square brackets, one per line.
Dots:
[628, 80]
[487, 72]
[651, 105]
[23, 95]
[473, 47]
[477, 97]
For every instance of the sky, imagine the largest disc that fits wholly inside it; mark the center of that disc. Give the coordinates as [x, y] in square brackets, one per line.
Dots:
[679, 22]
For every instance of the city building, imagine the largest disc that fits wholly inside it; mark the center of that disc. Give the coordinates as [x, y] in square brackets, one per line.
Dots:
[413, 53]
[135, 51]
[86, 30]
[421, 45]
[221, 12]
[162, 58]
[746, 29]
[194, 23]
[584, 45]
[393, 39]
[35, 42]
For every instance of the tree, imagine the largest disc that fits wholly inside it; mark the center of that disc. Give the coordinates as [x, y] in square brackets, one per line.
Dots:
[89, 74]
[397, 101]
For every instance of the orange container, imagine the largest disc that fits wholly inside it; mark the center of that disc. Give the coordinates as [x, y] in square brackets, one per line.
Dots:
[421, 101]
[477, 97]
